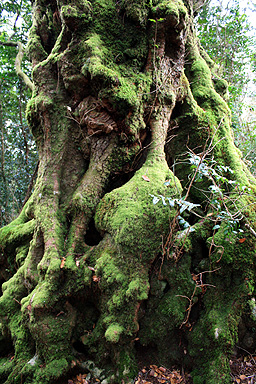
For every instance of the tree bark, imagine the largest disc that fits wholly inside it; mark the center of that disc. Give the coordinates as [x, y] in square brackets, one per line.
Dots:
[108, 267]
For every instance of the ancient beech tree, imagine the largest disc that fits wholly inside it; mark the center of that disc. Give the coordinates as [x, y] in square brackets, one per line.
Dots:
[137, 244]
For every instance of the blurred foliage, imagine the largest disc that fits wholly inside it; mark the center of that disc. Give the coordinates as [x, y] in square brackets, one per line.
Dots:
[229, 39]
[18, 156]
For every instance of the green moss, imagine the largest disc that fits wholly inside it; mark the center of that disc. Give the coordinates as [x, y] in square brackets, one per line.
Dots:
[21, 255]
[137, 287]
[229, 250]
[13, 291]
[114, 54]
[175, 9]
[73, 15]
[6, 365]
[36, 103]
[34, 47]
[106, 267]
[127, 212]
[137, 12]
[114, 332]
[167, 308]
[203, 90]
[221, 86]
[122, 262]
[94, 46]
[15, 233]
[215, 372]
[218, 114]
[213, 337]
[122, 85]
[51, 371]
[126, 366]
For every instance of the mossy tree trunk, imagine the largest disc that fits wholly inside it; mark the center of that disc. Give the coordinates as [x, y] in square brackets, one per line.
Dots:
[95, 271]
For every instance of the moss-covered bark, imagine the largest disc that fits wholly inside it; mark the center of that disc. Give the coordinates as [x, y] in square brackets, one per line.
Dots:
[124, 253]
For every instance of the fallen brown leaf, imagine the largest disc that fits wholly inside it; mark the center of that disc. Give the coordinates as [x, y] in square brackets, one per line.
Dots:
[62, 262]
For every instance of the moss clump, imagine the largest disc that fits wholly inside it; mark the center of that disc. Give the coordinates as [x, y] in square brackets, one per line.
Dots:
[167, 308]
[218, 115]
[127, 367]
[51, 371]
[113, 333]
[122, 262]
[15, 233]
[229, 250]
[137, 12]
[5, 368]
[166, 8]
[214, 336]
[74, 15]
[123, 86]
[34, 47]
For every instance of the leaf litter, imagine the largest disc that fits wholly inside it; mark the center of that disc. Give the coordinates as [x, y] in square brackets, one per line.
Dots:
[147, 375]
[243, 371]
[161, 375]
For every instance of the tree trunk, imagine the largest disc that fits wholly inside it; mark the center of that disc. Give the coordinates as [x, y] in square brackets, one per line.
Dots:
[130, 249]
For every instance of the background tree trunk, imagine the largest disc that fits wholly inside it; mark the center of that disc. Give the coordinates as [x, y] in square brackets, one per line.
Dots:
[107, 267]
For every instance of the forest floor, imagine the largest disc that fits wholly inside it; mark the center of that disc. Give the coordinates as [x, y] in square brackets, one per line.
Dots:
[243, 371]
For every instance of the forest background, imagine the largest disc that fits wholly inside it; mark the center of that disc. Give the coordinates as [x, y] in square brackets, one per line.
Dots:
[226, 33]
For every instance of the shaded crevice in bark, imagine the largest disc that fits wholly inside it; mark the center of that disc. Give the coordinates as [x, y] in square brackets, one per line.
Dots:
[120, 177]
[146, 353]
[81, 349]
[177, 111]
[92, 236]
